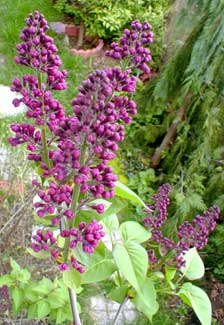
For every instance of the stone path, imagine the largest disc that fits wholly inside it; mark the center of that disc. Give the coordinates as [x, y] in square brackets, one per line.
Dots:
[102, 311]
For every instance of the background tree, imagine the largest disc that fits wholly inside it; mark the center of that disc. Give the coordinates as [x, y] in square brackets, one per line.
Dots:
[181, 113]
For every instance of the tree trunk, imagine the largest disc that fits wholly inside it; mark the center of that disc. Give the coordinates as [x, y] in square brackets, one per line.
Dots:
[80, 35]
[170, 135]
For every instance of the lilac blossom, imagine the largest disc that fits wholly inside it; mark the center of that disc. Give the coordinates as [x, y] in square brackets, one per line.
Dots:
[189, 235]
[131, 46]
[74, 151]
[87, 235]
[38, 51]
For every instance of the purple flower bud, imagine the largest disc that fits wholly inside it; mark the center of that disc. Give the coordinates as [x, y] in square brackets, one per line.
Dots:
[63, 267]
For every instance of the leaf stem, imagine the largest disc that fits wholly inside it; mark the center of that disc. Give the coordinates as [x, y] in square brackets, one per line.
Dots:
[121, 307]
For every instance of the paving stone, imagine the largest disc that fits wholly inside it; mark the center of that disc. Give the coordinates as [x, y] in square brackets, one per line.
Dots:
[102, 311]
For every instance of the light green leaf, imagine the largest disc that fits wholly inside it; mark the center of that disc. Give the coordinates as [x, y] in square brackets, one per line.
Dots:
[71, 278]
[14, 265]
[6, 280]
[101, 252]
[157, 275]
[17, 296]
[15, 268]
[106, 203]
[125, 192]
[111, 223]
[116, 206]
[23, 276]
[132, 261]
[41, 255]
[32, 311]
[60, 241]
[98, 272]
[44, 286]
[61, 316]
[56, 300]
[194, 266]
[170, 272]
[133, 231]
[118, 294]
[146, 300]
[196, 298]
[31, 295]
[43, 309]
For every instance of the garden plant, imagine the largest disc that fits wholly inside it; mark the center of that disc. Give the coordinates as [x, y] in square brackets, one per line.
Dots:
[79, 197]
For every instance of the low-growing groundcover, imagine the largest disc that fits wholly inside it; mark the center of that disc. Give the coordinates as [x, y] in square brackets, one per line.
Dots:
[78, 195]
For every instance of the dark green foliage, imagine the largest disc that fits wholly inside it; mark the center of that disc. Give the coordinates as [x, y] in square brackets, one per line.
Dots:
[107, 18]
[194, 160]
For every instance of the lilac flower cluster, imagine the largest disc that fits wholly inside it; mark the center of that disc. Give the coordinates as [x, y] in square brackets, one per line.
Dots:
[131, 46]
[88, 235]
[96, 126]
[196, 235]
[53, 199]
[76, 149]
[157, 212]
[74, 263]
[25, 132]
[38, 51]
[189, 235]
[38, 100]
[42, 240]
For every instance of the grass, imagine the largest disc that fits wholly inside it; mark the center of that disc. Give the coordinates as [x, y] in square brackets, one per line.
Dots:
[13, 13]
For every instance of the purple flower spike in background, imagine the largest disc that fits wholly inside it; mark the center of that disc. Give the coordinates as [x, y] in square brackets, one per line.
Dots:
[189, 235]
[131, 46]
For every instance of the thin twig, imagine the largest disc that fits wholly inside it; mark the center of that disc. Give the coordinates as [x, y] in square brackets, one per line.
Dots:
[120, 310]
[18, 214]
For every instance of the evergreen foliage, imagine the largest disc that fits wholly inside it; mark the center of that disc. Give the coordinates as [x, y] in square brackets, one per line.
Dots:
[191, 80]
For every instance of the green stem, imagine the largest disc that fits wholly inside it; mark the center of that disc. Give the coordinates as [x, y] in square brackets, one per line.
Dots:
[76, 190]
[119, 277]
[74, 203]
[44, 144]
[43, 128]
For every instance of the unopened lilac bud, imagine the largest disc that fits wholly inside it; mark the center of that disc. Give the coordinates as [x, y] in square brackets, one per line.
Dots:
[69, 214]
[63, 267]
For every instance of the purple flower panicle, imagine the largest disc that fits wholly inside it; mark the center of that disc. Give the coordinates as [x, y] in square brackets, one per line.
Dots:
[74, 151]
[88, 236]
[131, 46]
[189, 235]
[157, 212]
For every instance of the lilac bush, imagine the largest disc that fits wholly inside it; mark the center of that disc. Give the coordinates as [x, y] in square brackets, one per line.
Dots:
[73, 151]
[73, 154]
